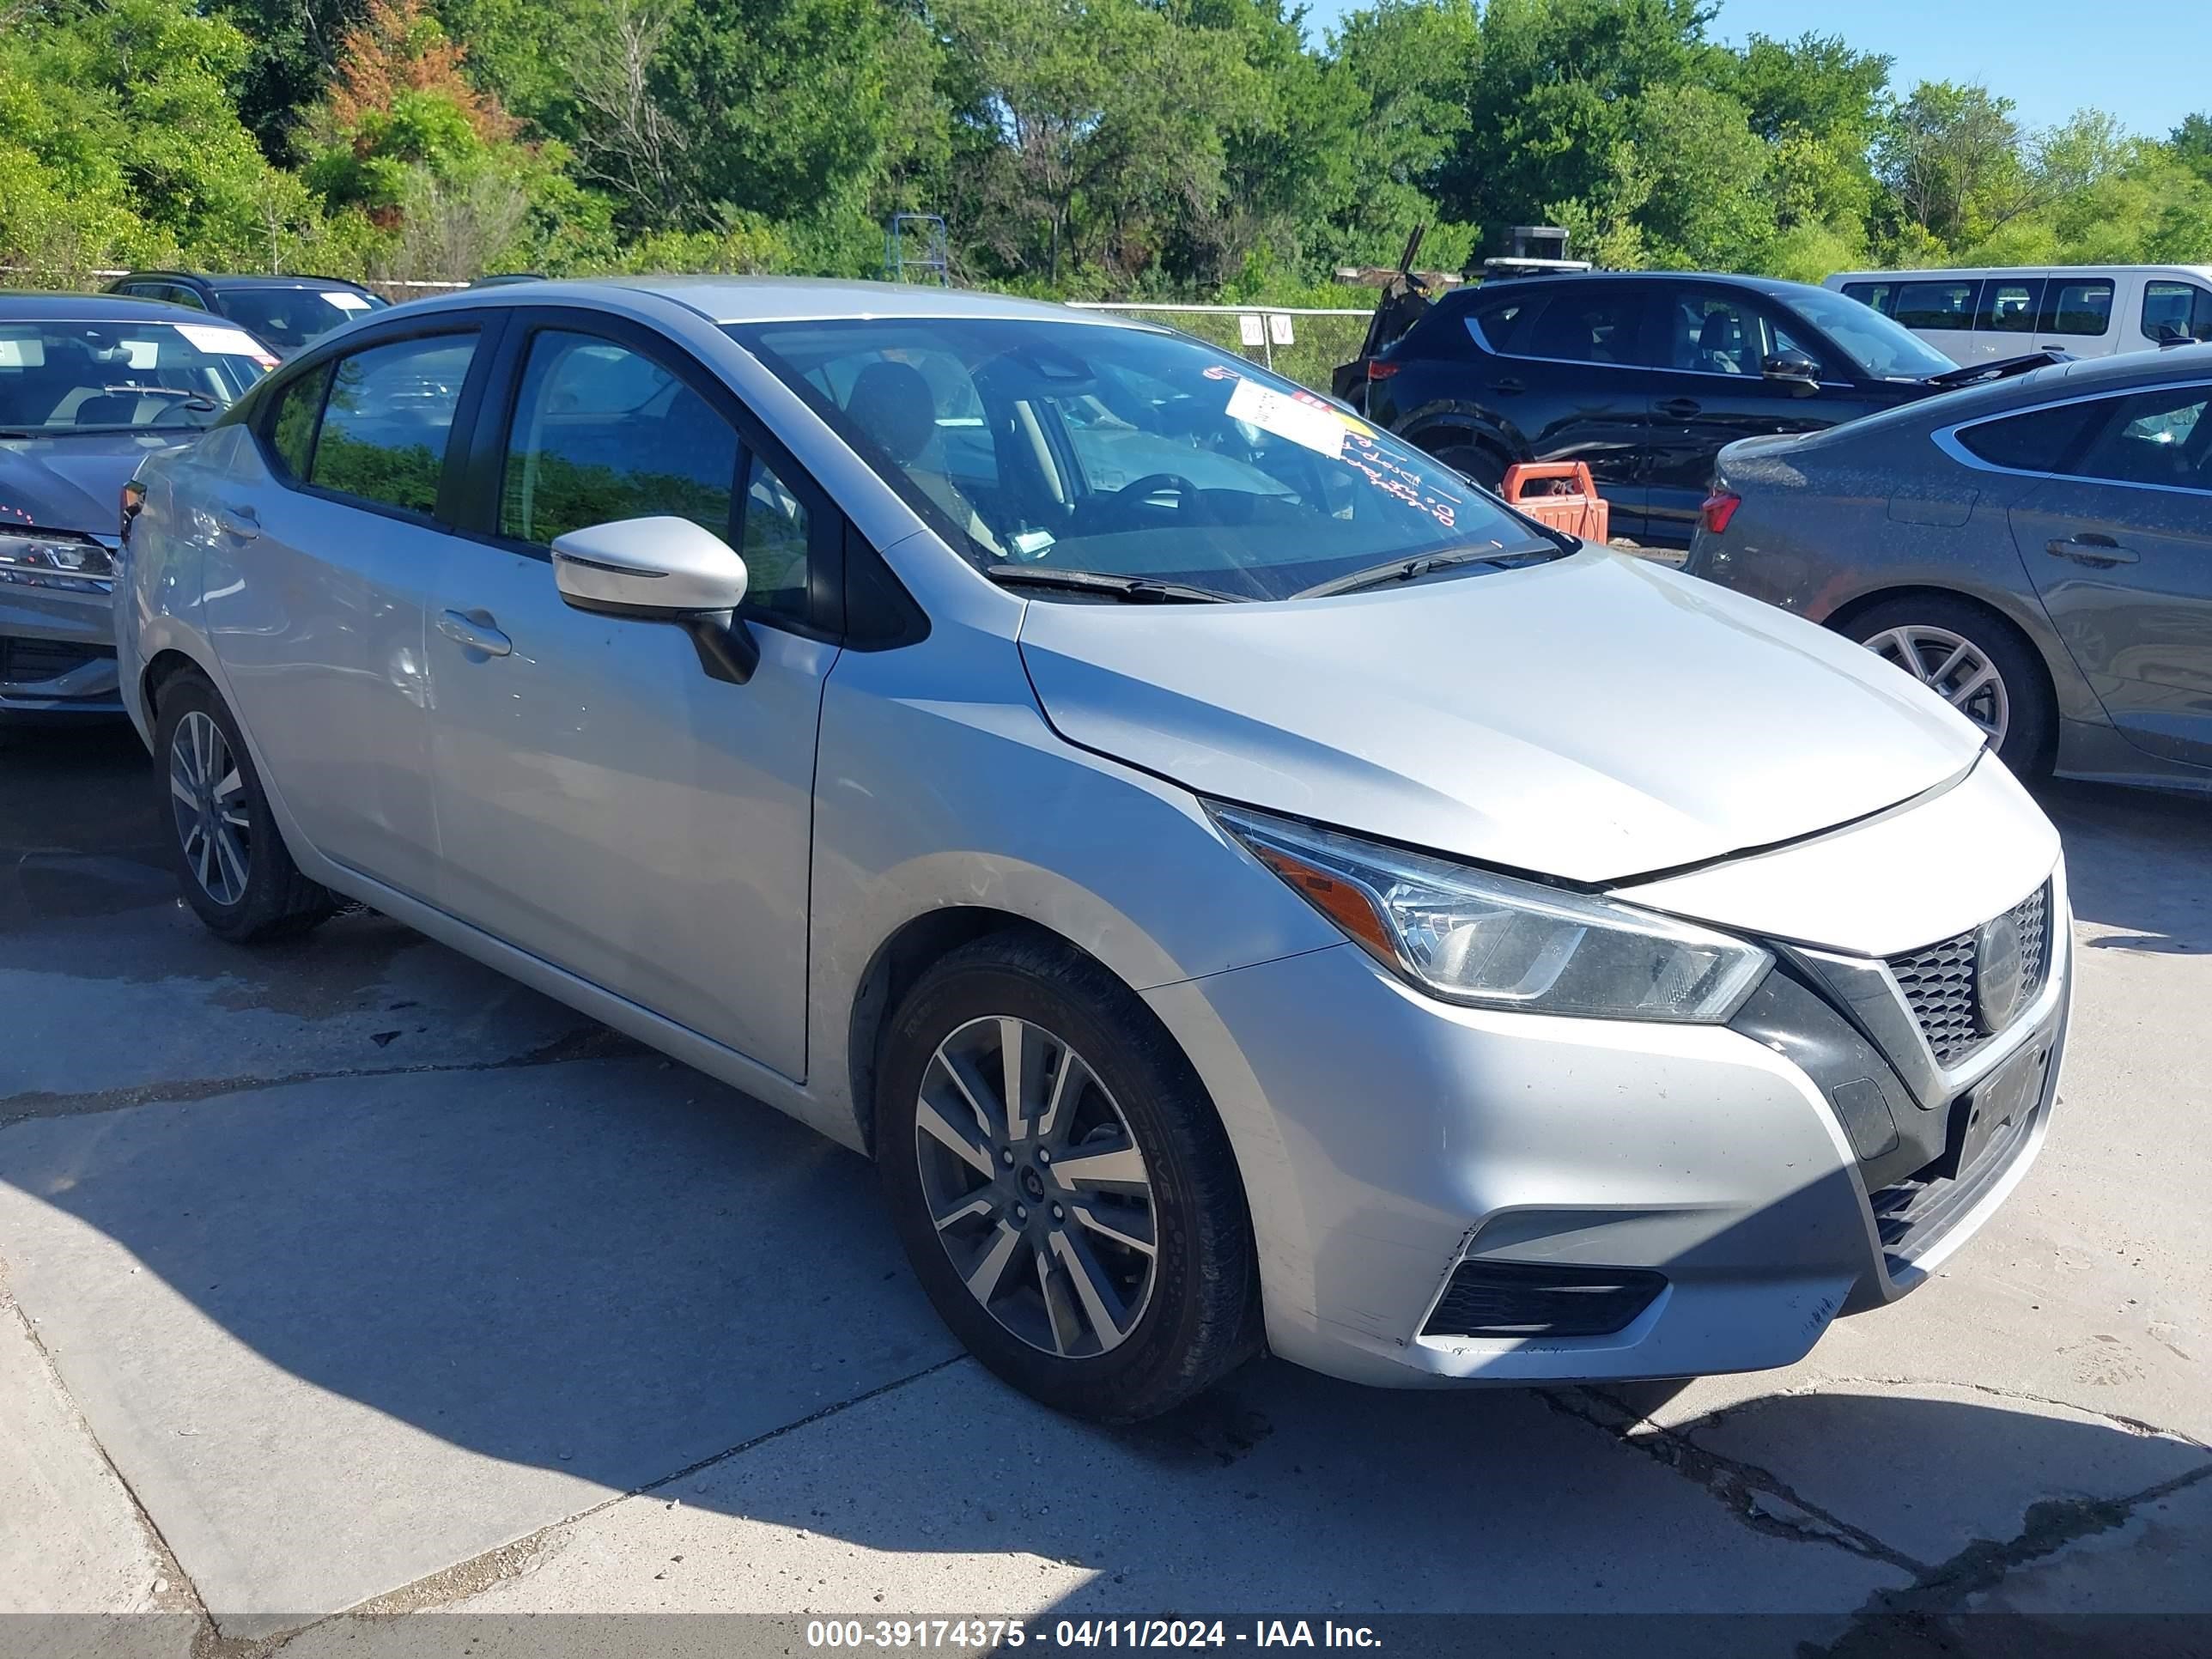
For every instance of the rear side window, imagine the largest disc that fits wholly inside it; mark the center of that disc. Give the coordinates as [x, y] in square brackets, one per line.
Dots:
[2041, 441]
[388, 419]
[2177, 308]
[292, 425]
[1586, 326]
[2009, 306]
[2077, 305]
[1499, 321]
[602, 432]
[1945, 304]
[1877, 296]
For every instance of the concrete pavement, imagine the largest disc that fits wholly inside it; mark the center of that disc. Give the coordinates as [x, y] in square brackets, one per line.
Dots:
[349, 1275]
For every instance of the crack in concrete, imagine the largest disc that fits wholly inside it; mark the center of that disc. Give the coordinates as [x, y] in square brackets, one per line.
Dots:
[481, 1572]
[1758, 1498]
[591, 1042]
[1911, 1621]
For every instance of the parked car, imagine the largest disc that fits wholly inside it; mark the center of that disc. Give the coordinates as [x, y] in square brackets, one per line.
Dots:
[1241, 883]
[2086, 310]
[286, 312]
[89, 387]
[1644, 376]
[2039, 551]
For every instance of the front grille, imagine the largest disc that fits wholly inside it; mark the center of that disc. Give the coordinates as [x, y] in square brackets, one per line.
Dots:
[1535, 1298]
[1939, 982]
[33, 662]
[1914, 1214]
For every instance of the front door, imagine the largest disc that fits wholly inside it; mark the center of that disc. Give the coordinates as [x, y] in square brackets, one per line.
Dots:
[603, 803]
[1710, 345]
[316, 594]
[2120, 551]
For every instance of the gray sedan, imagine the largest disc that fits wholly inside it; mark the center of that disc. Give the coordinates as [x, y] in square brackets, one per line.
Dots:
[2039, 551]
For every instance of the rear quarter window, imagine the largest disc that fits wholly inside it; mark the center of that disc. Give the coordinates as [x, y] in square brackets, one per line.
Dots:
[2040, 440]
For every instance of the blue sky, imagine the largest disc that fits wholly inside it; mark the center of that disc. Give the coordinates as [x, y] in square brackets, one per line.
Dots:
[2148, 62]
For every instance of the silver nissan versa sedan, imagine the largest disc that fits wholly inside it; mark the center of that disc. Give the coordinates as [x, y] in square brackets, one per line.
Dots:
[1243, 885]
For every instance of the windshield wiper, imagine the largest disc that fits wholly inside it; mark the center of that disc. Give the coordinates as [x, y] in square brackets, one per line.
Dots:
[1405, 570]
[187, 400]
[1137, 589]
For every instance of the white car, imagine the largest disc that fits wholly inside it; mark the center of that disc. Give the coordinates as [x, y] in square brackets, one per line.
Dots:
[1988, 315]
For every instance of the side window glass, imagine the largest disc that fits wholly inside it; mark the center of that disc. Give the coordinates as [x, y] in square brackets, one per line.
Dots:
[774, 544]
[1501, 324]
[2077, 305]
[2151, 438]
[2010, 308]
[292, 428]
[1712, 334]
[1780, 342]
[1946, 304]
[603, 433]
[384, 426]
[2177, 309]
[2041, 441]
[1874, 296]
[1586, 326]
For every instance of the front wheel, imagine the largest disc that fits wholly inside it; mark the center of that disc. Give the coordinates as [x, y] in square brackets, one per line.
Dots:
[1975, 661]
[1063, 1187]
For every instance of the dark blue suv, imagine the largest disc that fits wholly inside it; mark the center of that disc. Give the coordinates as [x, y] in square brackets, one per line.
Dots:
[286, 312]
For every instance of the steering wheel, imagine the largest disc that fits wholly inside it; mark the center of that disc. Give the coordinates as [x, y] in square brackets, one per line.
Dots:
[1159, 483]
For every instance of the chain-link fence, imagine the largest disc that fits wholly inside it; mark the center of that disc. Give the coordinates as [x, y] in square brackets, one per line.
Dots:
[1305, 342]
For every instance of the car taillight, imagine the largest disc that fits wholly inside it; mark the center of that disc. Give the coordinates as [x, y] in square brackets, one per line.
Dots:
[1379, 369]
[1720, 507]
[134, 497]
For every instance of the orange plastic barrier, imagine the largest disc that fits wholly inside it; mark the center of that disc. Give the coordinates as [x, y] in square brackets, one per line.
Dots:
[1577, 509]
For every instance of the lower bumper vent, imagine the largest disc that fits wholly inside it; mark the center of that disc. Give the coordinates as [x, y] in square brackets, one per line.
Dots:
[1538, 1299]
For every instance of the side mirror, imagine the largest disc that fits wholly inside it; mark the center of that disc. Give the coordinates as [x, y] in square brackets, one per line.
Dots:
[1800, 373]
[663, 569]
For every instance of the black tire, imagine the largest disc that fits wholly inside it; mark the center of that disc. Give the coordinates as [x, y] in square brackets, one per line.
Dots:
[275, 901]
[1199, 1317]
[1479, 465]
[2031, 719]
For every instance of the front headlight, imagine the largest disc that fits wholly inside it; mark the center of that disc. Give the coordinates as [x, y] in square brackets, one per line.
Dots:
[1493, 941]
[55, 558]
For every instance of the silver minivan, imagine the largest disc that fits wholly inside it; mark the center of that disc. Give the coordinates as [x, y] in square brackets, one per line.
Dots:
[1241, 885]
[1989, 314]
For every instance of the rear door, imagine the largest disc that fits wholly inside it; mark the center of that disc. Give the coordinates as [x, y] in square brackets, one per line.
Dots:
[1940, 310]
[317, 575]
[2081, 315]
[1569, 379]
[603, 804]
[2119, 547]
[2005, 326]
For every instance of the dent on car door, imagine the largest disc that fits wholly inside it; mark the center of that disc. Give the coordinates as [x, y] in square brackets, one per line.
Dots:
[318, 574]
[2120, 551]
[603, 803]
[1709, 347]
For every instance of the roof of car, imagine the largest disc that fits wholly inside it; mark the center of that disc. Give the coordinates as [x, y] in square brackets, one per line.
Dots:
[777, 298]
[1573, 278]
[242, 279]
[22, 306]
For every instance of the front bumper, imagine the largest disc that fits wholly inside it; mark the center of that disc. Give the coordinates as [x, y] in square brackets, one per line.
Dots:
[1386, 1137]
[56, 653]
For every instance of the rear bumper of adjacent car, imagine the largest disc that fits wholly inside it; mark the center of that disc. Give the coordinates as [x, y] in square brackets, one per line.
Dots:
[57, 654]
[1643, 1201]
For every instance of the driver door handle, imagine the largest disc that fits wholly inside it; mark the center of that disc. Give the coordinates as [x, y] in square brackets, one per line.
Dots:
[474, 631]
[2099, 550]
[239, 521]
[1679, 409]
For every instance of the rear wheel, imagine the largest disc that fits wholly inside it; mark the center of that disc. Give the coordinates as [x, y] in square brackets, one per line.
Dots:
[1062, 1186]
[1485, 467]
[231, 860]
[1973, 659]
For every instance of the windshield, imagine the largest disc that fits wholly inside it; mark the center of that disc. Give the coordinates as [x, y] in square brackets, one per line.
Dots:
[1044, 448]
[1883, 350]
[109, 376]
[291, 317]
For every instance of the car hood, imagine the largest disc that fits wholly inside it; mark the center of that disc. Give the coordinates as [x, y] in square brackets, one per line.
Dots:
[74, 483]
[1592, 718]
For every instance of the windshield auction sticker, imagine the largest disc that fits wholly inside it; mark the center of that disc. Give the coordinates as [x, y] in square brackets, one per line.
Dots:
[1306, 425]
[223, 342]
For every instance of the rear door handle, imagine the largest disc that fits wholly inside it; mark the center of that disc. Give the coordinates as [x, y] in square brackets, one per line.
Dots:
[474, 632]
[2099, 550]
[239, 521]
[1509, 387]
[1679, 409]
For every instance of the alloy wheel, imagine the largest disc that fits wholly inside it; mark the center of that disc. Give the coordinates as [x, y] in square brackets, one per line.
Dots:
[207, 796]
[1955, 667]
[1037, 1186]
